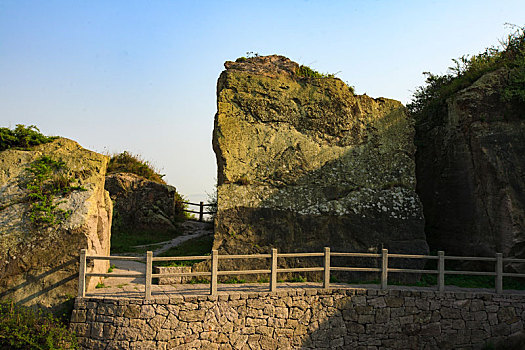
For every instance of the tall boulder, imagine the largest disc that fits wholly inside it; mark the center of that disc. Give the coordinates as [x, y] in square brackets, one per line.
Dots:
[471, 172]
[304, 163]
[39, 263]
[142, 205]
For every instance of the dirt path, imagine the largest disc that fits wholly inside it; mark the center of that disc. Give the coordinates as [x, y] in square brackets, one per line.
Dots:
[191, 229]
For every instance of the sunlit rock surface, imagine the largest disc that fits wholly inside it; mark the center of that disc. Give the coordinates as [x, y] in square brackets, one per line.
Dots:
[39, 265]
[303, 163]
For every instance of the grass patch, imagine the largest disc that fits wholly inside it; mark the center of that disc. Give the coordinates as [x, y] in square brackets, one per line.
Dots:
[100, 285]
[125, 242]
[196, 246]
[25, 328]
[22, 137]
[111, 268]
[127, 162]
[234, 280]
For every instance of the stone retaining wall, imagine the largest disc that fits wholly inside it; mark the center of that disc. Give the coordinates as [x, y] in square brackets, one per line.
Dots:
[302, 318]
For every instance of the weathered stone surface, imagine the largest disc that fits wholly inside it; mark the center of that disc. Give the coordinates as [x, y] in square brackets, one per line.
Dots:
[142, 204]
[470, 167]
[204, 322]
[304, 163]
[173, 269]
[39, 265]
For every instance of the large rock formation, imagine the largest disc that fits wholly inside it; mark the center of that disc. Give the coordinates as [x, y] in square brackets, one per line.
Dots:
[471, 172]
[143, 205]
[304, 163]
[39, 263]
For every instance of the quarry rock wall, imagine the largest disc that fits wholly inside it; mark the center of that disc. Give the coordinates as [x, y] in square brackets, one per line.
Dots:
[470, 172]
[304, 163]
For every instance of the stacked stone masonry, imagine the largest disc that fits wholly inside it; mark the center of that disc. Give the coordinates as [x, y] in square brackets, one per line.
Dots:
[302, 318]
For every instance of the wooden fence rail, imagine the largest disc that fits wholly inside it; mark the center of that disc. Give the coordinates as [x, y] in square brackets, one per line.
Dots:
[201, 206]
[273, 270]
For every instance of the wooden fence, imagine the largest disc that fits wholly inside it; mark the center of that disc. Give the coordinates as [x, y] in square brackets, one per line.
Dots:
[201, 206]
[272, 270]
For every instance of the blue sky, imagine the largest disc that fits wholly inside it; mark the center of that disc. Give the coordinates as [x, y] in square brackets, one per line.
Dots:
[141, 75]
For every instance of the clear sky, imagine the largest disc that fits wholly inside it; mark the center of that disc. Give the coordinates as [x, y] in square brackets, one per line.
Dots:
[141, 75]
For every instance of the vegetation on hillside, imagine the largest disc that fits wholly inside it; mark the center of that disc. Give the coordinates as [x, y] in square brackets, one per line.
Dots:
[48, 178]
[429, 101]
[22, 137]
[25, 328]
[126, 162]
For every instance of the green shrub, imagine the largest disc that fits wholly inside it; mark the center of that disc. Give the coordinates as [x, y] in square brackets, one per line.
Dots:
[25, 328]
[428, 104]
[22, 137]
[126, 162]
[48, 178]
[307, 72]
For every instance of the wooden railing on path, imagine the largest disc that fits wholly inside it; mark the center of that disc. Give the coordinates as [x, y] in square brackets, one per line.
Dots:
[201, 206]
[273, 270]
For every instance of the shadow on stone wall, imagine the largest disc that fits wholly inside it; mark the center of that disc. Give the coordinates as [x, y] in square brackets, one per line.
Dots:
[413, 320]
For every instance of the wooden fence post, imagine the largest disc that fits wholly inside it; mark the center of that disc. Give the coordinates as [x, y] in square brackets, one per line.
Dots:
[214, 263]
[82, 274]
[149, 267]
[326, 277]
[441, 271]
[384, 269]
[499, 273]
[273, 273]
[201, 211]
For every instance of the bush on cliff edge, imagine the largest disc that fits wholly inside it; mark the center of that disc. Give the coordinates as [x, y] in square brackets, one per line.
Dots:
[126, 162]
[22, 137]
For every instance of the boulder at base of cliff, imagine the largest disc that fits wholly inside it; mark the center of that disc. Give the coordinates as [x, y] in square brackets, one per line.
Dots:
[142, 205]
[39, 261]
[304, 163]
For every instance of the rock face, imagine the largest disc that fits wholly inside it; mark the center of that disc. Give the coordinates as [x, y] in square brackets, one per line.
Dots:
[304, 163]
[39, 264]
[471, 171]
[143, 205]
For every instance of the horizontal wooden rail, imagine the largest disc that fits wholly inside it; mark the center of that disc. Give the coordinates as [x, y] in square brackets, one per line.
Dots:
[181, 258]
[357, 255]
[412, 270]
[472, 273]
[243, 272]
[246, 256]
[109, 274]
[117, 257]
[201, 212]
[298, 255]
[355, 269]
[382, 260]
[181, 274]
[198, 204]
[301, 269]
[470, 258]
[411, 256]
